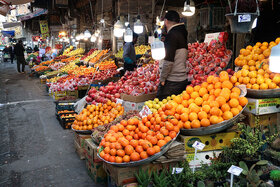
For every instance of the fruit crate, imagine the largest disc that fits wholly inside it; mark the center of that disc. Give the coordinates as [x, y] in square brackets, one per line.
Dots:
[66, 122]
[65, 105]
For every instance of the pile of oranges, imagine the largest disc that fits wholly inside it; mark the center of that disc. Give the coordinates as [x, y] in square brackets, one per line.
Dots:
[93, 116]
[209, 103]
[255, 73]
[135, 139]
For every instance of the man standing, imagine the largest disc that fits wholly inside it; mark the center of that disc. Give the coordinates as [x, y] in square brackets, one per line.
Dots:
[19, 52]
[129, 54]
[173, 69]
[11, 51]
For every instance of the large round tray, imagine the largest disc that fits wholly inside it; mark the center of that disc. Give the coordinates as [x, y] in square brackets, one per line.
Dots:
[82, 132]
[212, 128]
[145, 161]
[260, 94]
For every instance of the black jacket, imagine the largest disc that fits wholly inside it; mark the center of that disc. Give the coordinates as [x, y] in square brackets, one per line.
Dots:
[19, 50]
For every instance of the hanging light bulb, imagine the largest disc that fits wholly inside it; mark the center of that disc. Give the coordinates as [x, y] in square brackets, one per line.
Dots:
[126, 23]
[82, 36]
[128, 35]
[274, 59]
[158, 49]
[93, 38]
[87, 34]
[73, 40]
[189, 8]
[78, 37]
[138, 26]
[118, 29]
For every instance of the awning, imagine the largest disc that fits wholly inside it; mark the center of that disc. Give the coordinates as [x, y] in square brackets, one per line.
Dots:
[16, 2]
[36, 13]
[11, 24]
[8, 33]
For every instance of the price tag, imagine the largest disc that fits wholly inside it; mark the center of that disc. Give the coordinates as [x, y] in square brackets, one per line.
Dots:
[145, 111]
[235, 170]
[119, 101]
[198, 145]
[119, 69]
[177, 170]
[244, 18]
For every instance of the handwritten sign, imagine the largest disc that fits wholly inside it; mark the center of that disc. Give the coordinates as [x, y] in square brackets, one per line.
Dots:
[177, 170]
[235, 170]
[119, 101]
[244, 18]
[145, 111]
[198, 145]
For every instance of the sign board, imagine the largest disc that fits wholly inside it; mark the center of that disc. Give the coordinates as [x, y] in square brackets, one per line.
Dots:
[218, 36]
[244, 18]
[198, 145]
[145, 111]
[235, 170]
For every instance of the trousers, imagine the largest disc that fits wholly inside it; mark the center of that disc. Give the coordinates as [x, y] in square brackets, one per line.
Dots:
[171, 88]
[20, 61]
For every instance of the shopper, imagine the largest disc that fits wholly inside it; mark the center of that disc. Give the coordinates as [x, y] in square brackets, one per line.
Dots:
[36, 48]
[19, 52]
[6, 53]
[129, 54]
[173, 70]
[12, 55]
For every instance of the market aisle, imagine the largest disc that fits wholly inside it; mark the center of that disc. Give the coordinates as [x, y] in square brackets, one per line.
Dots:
[34, 149]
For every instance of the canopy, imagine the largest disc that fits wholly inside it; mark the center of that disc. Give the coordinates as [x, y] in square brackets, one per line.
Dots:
[8, 33]
[15, 2]
[36, 13]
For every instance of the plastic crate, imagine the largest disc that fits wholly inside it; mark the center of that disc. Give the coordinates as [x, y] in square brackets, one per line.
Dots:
[65, 105]
[66, 122]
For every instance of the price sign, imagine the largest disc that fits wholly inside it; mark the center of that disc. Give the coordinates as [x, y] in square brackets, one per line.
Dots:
[145, 111]
[177, 170]
[119, 101]
[198, 145]
[235, 170]
[244, 18]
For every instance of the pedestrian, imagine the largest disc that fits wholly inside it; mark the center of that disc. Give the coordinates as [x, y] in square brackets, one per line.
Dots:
[129, 55]
[12, 55]
[173, 68]
[19, 52]
[6, 53]
[36, 48]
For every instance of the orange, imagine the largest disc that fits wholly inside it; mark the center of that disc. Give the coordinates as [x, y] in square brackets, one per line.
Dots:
[144, 155]
[210, 79]
[177, 99]
[193, 116]
[233, 79]
[194, 95]
[234, 111]
[214, 119]
[210, 87]
[195, 124]
[202, 115]
[178, 109]
[276, 79]
[112, 159]
[172, 134]
[185, 96]
[161, 143]
[119, 159]
[214, 104]
[221, 100]
[205, 97]
[189, 89]
[151, 151]
[243, 101]
[264, 86]
[225, 107]
[157, 148]
[202, 91]
[204, 85]
[246, 80]
[227, 115]
[194, 108]
[218, 85]
[126, 158]
[196, 88]
[215, 111]
[272, 85]
[255, 86]
[134, 156]
[234, 95]
[233, 103]
[206, 108]
[227, 84]
[253, 81]
[217, 92]
[187, 125]
[198, 101]
[184, 117]
[205, 122]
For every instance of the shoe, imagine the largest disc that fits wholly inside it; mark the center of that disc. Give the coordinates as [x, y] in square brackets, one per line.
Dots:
[23, 72]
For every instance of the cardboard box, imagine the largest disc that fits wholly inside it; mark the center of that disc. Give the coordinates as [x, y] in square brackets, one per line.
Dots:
[79, 150]
[212, 141]
[202, 157]
[263, 106]
[72, 93]
[126, 175]
[269, 122]
[138, 99]
[59, 94]
[80, 139]
[91, 151]
[96, 172]
[132, 106]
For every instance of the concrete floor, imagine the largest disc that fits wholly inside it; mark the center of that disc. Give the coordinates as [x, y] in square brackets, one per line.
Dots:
[34, 149]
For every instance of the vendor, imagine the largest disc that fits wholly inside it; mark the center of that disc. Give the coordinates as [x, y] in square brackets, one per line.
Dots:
[173, 70]
[129, 55]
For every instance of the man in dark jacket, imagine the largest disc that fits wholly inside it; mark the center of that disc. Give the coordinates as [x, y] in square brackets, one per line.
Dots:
[19, 52]
[11, 51]
[173, 69]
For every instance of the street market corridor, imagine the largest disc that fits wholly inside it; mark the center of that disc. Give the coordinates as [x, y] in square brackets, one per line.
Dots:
[34, 148]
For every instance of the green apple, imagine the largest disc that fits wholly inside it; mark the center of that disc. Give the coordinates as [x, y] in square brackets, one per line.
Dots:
[164, 101]
[172, 96]
[160, 103]
[150, 105]
[156, 100]
[168, 98]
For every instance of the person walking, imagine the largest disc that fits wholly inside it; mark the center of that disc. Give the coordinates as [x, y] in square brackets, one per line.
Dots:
[173, 68]
[6, 53]
[12, 55]
[19, 52]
